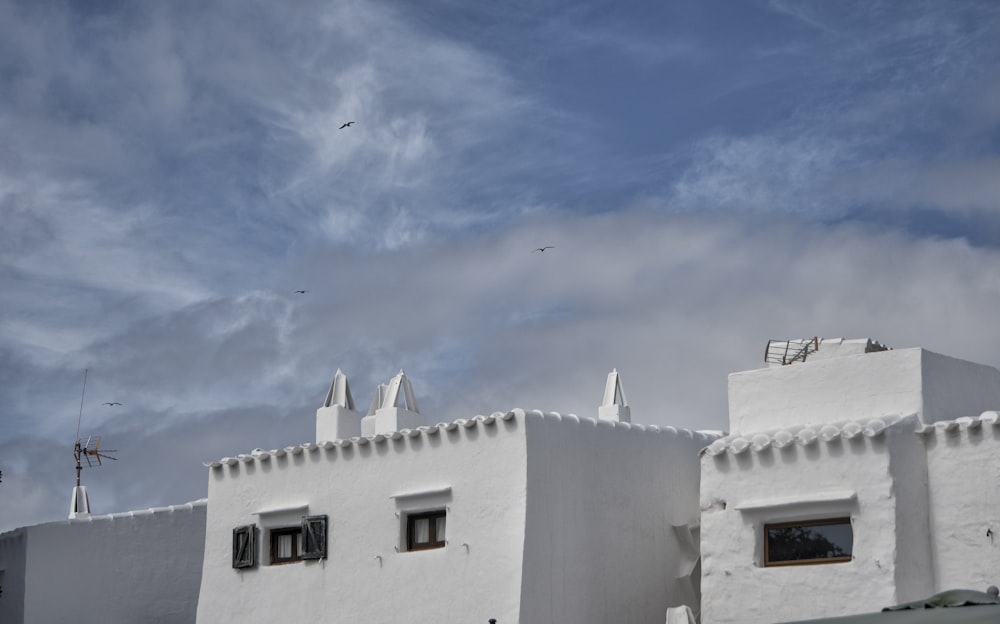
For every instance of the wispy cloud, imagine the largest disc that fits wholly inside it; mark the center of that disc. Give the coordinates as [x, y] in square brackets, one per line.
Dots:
[171, 174]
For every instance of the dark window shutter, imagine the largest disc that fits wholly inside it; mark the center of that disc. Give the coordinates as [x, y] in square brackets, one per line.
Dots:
[314, 537]
[244, 546]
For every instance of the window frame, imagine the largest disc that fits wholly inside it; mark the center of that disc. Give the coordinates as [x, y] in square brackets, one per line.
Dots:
[836, 521]
[249, 553]
[432, 542]
[273, 536]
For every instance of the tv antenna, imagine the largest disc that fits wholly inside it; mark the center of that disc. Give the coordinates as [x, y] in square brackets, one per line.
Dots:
[91, 450]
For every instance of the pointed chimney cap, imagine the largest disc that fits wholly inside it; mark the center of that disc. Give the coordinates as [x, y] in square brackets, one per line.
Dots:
[614, 393]
[340, 392]
[400, 393]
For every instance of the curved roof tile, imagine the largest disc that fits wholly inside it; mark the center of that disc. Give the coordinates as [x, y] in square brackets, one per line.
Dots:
[201, 502]
[468, 423]
[990, 418]
[803, 436]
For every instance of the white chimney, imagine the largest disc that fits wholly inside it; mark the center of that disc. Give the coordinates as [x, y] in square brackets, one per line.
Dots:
[393, 408]
[615, 405]
[336, 419]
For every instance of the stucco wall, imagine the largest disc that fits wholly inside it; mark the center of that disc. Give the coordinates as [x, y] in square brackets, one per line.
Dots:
[954, 388]
[964, 472]
[876, 480]
[601, 504]
[477, 472]
[139, 567]
[867, 385]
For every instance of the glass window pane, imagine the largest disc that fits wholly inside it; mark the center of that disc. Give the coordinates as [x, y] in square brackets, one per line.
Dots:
[809, 541]
[439, 527]
[285, 546]
[421, 530]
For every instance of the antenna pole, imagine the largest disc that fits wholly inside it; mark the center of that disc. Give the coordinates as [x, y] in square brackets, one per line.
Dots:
[76, 447]
[84, 392]
[76, 454]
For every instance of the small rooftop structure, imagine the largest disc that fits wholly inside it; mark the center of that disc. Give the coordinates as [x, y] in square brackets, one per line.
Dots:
[394, 407]
[834, 380]
[614, 407]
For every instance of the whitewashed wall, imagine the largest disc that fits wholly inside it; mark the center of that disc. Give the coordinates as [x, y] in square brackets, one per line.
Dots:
[954, 388]
[869, 385]
[963, 460]
[550, 519]
[364, 579]
[602, 503]
[136, 567]
[861, 470]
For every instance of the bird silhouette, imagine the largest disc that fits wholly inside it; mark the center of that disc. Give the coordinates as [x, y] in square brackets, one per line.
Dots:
[301, 292]
[542, 249]
[346, 125]
[111, 403]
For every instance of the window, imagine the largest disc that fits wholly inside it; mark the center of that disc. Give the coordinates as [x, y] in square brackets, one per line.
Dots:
[425, 530]
[306, 541]
[286, 545]
[314, 537]
[816, 541]
[244, 546]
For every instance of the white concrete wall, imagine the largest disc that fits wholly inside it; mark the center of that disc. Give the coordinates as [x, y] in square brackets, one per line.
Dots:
[876, 480]
[602, 500]
[597, 500]
[13, 557]
[954, 388]
[869, 385]
[476, 576]
[139, 567]
[964, 471]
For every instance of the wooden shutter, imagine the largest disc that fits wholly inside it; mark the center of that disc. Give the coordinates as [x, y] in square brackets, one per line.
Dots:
[314, 537]
[245, 546]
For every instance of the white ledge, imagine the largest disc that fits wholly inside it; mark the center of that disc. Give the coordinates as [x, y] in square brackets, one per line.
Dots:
[842, 496]
[434, 492]
[282, 509]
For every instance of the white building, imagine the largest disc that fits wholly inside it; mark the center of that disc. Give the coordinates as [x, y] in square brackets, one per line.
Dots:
[138, 566]
[857, 477]
[854, 478]
[519, 516]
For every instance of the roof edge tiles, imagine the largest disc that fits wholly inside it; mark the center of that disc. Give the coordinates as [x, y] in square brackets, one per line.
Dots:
[189, 506]
[989, 418]
[806, 435]
[450, 427]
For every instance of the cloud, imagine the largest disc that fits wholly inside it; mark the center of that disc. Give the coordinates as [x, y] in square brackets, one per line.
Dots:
[674, 302]
[172, 176]
[768, 173]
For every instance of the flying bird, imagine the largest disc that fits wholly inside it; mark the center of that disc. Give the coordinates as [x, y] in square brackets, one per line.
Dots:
[111, 403]
[542, 249]
[346, 125]
[301, 292]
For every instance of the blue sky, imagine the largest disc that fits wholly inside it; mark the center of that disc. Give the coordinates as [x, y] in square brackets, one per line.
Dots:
[710, 174]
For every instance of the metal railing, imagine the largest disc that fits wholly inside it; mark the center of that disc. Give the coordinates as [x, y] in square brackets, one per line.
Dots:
[786, 352]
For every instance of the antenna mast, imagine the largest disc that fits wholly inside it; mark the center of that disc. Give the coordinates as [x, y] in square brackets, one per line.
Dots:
[76, 447]
[84, 452]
